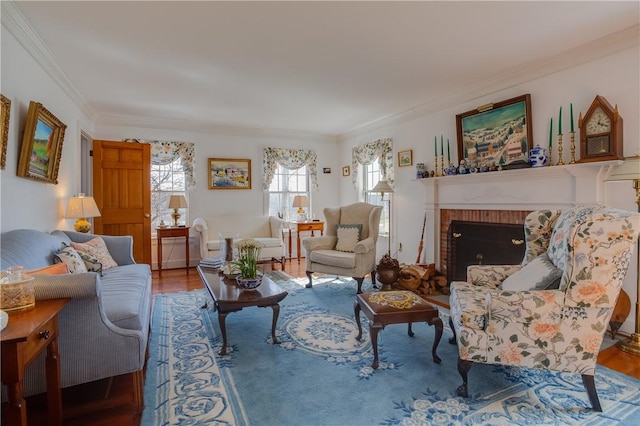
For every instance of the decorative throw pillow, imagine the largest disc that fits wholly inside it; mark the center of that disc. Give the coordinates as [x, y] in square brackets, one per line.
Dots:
[348, 237]
[539, 274]
[69, 256]
[91, 262]
[55, 269]
[98, 249]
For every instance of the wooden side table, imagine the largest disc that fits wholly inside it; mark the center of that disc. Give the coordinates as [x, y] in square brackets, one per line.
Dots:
[305, 226]
[27, 334]
[172, 232]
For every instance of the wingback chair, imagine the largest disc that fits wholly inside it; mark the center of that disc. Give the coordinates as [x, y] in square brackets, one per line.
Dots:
[551, 311]
[338, 252]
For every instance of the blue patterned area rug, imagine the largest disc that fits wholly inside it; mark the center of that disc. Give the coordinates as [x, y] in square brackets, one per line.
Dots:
[321, 375]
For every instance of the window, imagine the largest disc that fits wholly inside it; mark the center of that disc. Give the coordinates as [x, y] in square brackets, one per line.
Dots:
[286, 184]
[166, 180]
[371, 175]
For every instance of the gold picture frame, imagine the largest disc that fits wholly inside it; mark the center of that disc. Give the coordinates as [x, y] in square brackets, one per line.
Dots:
[5, 113]
[229, 173]
[41, 148]
[405, 158]
[346, 171]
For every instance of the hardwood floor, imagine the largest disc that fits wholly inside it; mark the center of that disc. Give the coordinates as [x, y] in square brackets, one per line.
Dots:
[78, 400]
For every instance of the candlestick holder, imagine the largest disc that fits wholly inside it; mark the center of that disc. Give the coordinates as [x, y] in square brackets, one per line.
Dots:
[572, 148]
[442, 165]
[436, 166]
[560, 162]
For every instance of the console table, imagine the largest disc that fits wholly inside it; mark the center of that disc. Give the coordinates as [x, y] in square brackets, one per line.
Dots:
[27, 334]
[172, 232]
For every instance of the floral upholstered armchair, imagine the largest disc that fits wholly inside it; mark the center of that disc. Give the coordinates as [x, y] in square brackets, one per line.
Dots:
[551, 311]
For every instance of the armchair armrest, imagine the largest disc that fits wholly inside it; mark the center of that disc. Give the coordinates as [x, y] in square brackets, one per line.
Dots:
[490, 275]
[324, 242]
[523, 306]
[364, 246]
[200, 226]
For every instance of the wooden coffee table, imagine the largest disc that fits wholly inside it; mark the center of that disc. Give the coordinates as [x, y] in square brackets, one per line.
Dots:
[395, 307]
[228, 297]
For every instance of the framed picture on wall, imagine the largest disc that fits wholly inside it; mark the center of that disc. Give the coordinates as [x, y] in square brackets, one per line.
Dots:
[41, 148]
[5, 113]
[346, 171]
[405, 158]
[499, 134]
[229, 173]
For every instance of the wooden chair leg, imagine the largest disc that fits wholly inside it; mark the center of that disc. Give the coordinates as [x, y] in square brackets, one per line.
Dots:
[359, 281]
[463, 368]
[590, 387]
[309, 284]
[453, 339]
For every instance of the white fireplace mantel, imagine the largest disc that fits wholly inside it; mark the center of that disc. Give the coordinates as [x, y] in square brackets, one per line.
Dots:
[520, 189]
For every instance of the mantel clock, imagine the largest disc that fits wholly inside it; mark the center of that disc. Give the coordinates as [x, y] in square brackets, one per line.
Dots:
[600, 132]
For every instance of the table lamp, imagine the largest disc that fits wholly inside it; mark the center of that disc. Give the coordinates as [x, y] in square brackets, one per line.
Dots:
[383, 187]
[630, 170]
[301, 201]
[81, 207]
[177, 202]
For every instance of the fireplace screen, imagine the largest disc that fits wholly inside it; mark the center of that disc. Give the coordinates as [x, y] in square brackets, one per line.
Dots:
[481, 243]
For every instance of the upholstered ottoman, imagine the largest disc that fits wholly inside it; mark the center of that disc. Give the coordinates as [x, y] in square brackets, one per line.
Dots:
[395, 307]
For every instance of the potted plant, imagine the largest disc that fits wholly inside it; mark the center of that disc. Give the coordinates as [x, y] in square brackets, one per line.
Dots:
[247, 263]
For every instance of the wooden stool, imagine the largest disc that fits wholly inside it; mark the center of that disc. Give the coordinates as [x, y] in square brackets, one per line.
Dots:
[395, 307]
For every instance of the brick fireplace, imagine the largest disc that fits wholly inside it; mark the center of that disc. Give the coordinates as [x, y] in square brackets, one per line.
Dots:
[505, 197]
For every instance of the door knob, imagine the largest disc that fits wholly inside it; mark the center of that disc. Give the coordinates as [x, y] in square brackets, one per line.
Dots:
[147, 215]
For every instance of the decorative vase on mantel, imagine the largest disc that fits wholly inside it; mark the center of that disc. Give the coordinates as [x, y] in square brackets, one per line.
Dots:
[387, 271]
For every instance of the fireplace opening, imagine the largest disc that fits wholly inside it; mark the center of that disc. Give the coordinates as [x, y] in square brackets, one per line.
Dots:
[482, 243]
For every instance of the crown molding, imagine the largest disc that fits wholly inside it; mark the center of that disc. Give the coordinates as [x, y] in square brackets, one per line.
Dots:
[597, 49]
[208, 127]
[18, 26]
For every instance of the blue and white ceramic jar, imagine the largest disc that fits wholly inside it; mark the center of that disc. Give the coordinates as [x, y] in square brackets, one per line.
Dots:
[538, 157]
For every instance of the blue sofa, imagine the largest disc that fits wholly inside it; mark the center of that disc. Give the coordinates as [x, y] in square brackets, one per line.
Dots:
[104, 329]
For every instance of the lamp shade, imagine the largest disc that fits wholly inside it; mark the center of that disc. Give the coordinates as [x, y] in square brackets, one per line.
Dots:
[178, 202]
[628, 170]
[383, 187]
[300, 201]
[81, 207]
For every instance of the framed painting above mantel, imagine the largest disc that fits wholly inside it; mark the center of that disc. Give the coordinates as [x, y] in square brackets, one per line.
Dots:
[499, 133]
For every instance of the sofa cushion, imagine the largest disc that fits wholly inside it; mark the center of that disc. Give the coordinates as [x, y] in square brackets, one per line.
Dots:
[348, 235]
[70, 257]
[339, 259]
[125, 295]
[266, 243]
[539, 274]
[91, 262]
[96, 247]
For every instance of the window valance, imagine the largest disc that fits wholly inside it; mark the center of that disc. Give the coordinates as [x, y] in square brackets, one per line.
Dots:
[290, 159]
[382, 150]
[165, 152]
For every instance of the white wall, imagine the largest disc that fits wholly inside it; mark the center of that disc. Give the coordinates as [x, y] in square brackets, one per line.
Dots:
[616, 77]
[28, 203]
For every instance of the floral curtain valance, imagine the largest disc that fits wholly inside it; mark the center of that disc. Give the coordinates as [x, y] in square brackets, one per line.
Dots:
[290, 159]
[382, 150]
[165, 152]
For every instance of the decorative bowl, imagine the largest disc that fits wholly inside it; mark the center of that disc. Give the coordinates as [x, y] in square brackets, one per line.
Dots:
[249, 283]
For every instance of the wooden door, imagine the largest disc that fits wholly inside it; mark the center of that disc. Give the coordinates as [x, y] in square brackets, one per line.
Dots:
[122, 190]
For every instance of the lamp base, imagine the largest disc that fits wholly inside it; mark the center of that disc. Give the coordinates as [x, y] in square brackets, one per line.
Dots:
[175, 215]
[632, 345]
[82, 225]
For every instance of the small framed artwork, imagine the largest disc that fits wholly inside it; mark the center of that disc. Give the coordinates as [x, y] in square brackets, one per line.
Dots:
[41, 148]
[405, 158]
[499, 134]
[5, 112]
[229, 173]
[326, 170]
[346, 171]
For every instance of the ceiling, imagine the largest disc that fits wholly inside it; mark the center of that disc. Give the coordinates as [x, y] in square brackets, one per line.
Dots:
[323, 68]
